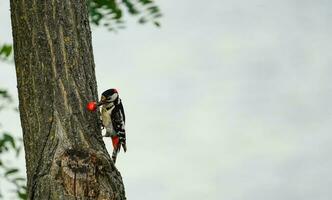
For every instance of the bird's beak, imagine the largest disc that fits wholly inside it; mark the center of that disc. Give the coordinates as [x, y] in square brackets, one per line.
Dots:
[100, 103]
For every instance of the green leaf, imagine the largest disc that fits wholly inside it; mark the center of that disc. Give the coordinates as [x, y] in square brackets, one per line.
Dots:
[153, 9]
[158, 15]
[145, 2]
[108, 13]
[22, 192]
[156, 24]
[19, 179]
[22, 195]
[7, 138]
[142, 20]
[11, 171]
[131, 7]
[18, 151]
[6, 50]
[6, 141]
[5, 95]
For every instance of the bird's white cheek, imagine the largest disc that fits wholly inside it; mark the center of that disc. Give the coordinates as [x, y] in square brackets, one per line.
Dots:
[114, 96]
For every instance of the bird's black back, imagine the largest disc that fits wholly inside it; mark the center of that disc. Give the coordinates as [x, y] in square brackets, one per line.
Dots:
[118, 117]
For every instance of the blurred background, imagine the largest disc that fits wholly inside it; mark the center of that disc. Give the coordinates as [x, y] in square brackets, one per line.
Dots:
[229, 99]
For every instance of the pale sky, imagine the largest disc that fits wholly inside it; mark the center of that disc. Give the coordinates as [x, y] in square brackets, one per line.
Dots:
[228, 100]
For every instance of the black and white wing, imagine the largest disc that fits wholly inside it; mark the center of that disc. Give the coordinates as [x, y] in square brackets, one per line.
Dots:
[118, 121]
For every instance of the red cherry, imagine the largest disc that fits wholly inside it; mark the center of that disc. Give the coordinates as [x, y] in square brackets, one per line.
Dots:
[91, 106]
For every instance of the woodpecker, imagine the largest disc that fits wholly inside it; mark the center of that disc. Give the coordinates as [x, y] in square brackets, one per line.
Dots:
[113, 120]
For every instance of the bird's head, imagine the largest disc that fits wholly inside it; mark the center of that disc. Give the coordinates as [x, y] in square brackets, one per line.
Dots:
[108, 97]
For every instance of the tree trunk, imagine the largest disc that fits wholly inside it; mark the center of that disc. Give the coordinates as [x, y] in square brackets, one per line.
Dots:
[65, 154]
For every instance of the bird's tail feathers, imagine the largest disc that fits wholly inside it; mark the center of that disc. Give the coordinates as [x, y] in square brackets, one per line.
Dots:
[114, 155]
[124, 146]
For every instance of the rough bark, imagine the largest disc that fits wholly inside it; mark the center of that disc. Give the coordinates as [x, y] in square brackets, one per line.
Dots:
[65, 154]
